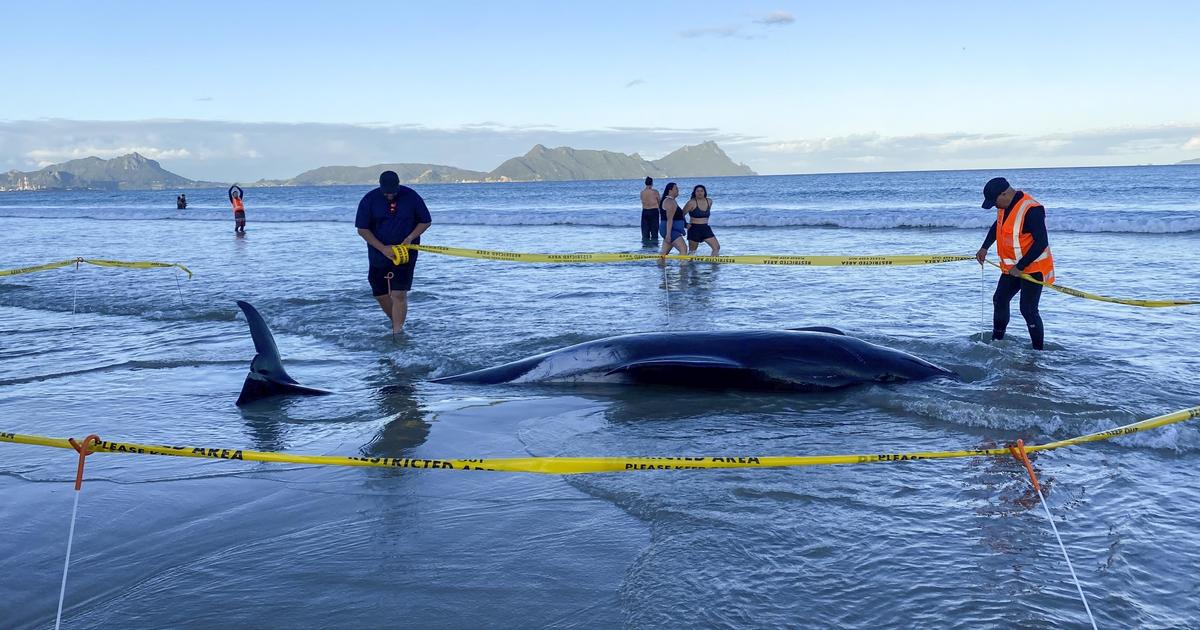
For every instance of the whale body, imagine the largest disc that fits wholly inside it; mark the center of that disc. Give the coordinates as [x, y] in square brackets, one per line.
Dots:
[804, 359]
[811, 359]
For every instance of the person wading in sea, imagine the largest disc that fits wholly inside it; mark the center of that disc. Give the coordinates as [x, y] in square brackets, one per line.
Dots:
[649, 212]
[391, 215]
[1019, 233]
[239, 209]
[671, 221]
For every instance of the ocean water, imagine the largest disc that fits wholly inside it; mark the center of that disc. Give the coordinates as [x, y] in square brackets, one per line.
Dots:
[150, 356]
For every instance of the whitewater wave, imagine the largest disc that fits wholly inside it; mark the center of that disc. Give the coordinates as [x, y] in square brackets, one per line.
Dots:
[1062, 219]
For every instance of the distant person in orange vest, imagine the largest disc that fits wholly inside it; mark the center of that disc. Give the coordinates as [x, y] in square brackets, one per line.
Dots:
[239, 209]
[1023, 247]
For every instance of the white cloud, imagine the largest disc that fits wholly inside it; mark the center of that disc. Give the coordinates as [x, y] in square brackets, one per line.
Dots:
[777, 18]
[635, 82]
[46, 157]
[728, 30]
[241, 147]
[1114, 146]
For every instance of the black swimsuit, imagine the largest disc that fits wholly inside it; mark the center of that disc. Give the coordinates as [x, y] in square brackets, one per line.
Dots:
[698, 232]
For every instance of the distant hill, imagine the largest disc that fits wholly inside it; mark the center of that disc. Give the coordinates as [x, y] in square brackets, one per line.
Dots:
[137, 172]
[127, 172]
[539, 164]
[564, 163]
[1195, 161]
[409, 173]
[701, 160]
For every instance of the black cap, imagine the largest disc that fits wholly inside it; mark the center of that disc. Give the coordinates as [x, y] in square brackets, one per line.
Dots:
[992, 189]
[389, 182]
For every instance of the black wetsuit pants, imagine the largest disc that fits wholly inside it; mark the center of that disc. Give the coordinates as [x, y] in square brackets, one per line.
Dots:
[1031, 293]
[649, 224]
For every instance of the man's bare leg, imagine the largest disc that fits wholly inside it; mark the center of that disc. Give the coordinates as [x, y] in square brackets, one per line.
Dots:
[385, 303]
[399, 309]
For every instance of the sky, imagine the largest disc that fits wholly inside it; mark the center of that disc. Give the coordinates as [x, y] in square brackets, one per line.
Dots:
[238, 91]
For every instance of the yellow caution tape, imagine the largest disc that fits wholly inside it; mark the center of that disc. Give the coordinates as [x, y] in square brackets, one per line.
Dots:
[577, 465]
[813, 261]
[400, 256]
[1102, 298]
[45, 267]
[137, 264]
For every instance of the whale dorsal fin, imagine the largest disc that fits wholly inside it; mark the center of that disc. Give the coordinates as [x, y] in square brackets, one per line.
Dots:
[267, 376]
[267, 362]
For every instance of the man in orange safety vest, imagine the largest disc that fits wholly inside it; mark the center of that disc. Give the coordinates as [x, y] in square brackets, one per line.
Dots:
[1019, 233]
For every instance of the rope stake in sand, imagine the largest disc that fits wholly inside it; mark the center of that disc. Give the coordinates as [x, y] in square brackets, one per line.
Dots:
[135, 264]
[84, 450]
[579, 465]
[1018, 453]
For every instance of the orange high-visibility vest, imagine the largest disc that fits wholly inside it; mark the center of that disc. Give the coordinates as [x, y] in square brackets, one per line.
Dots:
[238, 206]
[1012, 242]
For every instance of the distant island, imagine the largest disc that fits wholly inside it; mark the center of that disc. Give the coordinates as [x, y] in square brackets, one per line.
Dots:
[540, 164]
[1195, 161]
[136, 172]
[127, 172]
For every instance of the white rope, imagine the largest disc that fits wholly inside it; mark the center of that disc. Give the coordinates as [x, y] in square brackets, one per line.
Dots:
[179, 288]
[667, 286]
[74, 287]
[1074, 577]
[983, 331]
[62, 591]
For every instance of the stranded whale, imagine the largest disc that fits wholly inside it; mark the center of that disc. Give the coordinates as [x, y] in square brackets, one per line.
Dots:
[805, 359]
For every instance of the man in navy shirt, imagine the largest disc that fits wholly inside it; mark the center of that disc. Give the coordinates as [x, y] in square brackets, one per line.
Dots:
[391, 215]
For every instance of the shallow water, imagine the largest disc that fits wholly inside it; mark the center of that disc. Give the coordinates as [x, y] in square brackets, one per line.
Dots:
[153, 357]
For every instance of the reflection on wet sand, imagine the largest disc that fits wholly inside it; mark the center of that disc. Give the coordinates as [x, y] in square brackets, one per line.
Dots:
[407, 427]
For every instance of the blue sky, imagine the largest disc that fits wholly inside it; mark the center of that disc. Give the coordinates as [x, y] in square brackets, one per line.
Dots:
[783, 86]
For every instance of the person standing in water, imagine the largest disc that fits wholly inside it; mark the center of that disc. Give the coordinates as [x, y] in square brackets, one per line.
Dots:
[671, 222]
[1019, 233]
[239, 209]
[650, 206]
[391, 215]
[700, 208]
[181, 202]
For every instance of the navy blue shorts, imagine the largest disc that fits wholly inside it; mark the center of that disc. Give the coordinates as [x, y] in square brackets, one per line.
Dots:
[402, 276]
[677, 229]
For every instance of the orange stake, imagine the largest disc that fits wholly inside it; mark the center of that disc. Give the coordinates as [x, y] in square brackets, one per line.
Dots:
[1018, 452]
[84, 450]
